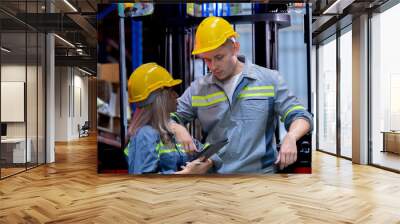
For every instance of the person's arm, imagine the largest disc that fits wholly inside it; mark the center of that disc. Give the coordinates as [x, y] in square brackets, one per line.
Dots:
[183, 136]
[297, 121]
[142, 155]
[185, 113]
[288, 152]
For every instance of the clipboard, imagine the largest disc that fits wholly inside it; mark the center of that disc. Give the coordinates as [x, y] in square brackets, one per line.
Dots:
[211, 150]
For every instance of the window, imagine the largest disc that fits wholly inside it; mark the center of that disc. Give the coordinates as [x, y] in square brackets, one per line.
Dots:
[22, 64]
[327, 96]
[385, 87]
[346, 94]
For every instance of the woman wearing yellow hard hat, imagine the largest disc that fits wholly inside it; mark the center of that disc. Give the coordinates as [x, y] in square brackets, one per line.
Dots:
[152, 147]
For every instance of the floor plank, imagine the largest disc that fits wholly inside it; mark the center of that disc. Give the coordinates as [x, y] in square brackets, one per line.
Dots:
[70, 191]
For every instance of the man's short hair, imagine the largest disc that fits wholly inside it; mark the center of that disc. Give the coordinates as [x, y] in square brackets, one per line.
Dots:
[229, 40]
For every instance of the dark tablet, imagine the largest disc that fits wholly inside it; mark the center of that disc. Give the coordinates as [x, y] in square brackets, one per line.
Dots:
[211, 149]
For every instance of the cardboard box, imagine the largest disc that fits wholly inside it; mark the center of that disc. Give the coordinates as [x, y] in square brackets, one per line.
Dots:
[108, 72]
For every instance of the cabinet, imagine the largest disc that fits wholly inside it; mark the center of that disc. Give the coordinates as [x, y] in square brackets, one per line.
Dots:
[13, 150]
[108, 106]
[391, 141]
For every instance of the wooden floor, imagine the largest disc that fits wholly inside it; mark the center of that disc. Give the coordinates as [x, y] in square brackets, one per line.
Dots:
[70, 191]
[5, 172]
[10, 171]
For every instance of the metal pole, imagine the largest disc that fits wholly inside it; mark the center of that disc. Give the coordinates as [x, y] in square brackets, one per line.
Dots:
[338, 98]
[308, 41]
[122, 74]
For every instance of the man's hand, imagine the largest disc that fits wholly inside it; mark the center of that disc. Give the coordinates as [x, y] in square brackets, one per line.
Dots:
[183, 137]
[198, 166]
[288, 152]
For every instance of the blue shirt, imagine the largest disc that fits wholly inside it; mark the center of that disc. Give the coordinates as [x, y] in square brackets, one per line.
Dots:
[147, 154]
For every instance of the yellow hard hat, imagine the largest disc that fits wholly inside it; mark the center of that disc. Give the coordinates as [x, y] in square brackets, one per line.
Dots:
[146, 79]
[128, 5]
[212, 33]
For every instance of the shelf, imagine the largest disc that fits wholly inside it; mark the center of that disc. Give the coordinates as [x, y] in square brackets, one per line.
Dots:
[109, 141]
[116, 116]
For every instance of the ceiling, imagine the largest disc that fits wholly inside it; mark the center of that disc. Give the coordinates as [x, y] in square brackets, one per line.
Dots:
[79, 27]
[332, 15]
[22, 20]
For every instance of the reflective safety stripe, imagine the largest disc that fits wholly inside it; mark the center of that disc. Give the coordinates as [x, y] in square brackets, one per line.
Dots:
[258, 88]
[208, 103]
[126, 150]
[177, 119]
[158, 148]
[256, 91]
[242, 95]
[291, 110]
[208, 100]
[161, 150]
[220, 93]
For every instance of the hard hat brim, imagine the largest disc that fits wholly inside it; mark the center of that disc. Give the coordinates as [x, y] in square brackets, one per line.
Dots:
[153, 88]
[215, 46]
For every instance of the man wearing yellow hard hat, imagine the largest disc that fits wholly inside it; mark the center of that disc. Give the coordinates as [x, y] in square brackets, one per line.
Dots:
[240, 101]
[152, 147]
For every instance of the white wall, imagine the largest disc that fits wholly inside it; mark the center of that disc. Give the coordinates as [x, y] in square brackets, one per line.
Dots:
[81, 94]
[61, 103]
[13, 73]
[33, 127]
[71, 94]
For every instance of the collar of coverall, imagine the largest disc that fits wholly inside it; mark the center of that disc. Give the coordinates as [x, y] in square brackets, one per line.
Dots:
[246, 74]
